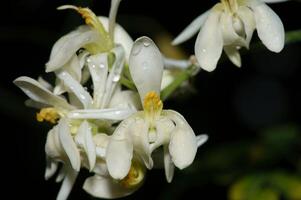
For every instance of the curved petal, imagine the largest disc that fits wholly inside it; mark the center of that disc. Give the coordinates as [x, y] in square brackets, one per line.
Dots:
[191, 29]
[67, 184]
[120, 36]
[85, 140]
[67, 46]
[45, 84]
[38, 93]
[76, 88]
[105, 187]
[140, 133]
[51, 167]
[168, 165]
[119, 152]
[230, 36]
[269, 27]
[112, 16]
[102, 114]
[201, 139]
[68, 144]
[209, 43]
[146, 66]
[183, 143]
[233, 55]
[247, 17]
[98, 67]
[164, 128]
[114, 75]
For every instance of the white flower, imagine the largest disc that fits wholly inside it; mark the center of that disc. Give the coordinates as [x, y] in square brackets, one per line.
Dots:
[72, 141]
[93, 38]
[229, 25]
[143, 132]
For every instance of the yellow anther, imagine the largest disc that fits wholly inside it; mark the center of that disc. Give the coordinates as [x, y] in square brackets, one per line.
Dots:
[152, 103]
[92, 20]
[48, 114]
[135, 176]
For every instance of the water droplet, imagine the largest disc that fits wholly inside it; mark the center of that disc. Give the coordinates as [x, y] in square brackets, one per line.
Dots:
[146, 43]
[116, 78]
[101, 65]
[93, 66]
[204, 50]
[89, 59]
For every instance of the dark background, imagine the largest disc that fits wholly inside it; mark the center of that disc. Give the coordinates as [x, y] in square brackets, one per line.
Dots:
[236, 107]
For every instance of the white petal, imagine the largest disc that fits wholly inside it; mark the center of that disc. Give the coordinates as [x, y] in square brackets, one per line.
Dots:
[230, 37]
[168, 165]
[119, 152]
[101, 168]
[120, 36]
[67, 46]
[183, 143]
[112, 16]
[209, 43]
[164, 128]
[84, 138]
[67, 185]
[139, 132]
[53, 147]
[114, 76]
[274, 1]
[125, 99]
[75, 87]
[269, 27]
[201, 139]
[98, 67]
[51, 167]
[37, 92]
[105, 187]
[233, 55]
[247, 17]
[101, 141]
[45, 84]
[73, 68]
[191, 29]
[68, 144]
[62, 173]
[146, 66]
[102, 114]
[35, 104]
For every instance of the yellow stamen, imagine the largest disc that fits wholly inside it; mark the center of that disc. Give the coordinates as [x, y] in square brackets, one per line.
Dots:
[48, 114]
[135, 175]
[152, 104]
[92, 20]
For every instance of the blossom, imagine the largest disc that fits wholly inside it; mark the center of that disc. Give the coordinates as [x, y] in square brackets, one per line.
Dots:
[229, 25]
[143, 132]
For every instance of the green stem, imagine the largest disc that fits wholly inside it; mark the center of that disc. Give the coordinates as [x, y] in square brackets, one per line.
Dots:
[177, 82]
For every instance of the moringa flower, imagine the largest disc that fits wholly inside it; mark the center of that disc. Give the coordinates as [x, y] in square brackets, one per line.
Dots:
[143, 132]
[93, 38]
[229, 25]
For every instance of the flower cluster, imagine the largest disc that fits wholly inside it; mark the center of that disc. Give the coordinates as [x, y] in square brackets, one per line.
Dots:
[229, 25]
[100, 125]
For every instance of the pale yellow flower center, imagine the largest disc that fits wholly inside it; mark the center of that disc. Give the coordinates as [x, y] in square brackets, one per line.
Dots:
[135, 175]
[48, 114]
[230, 6]
[152, 105]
